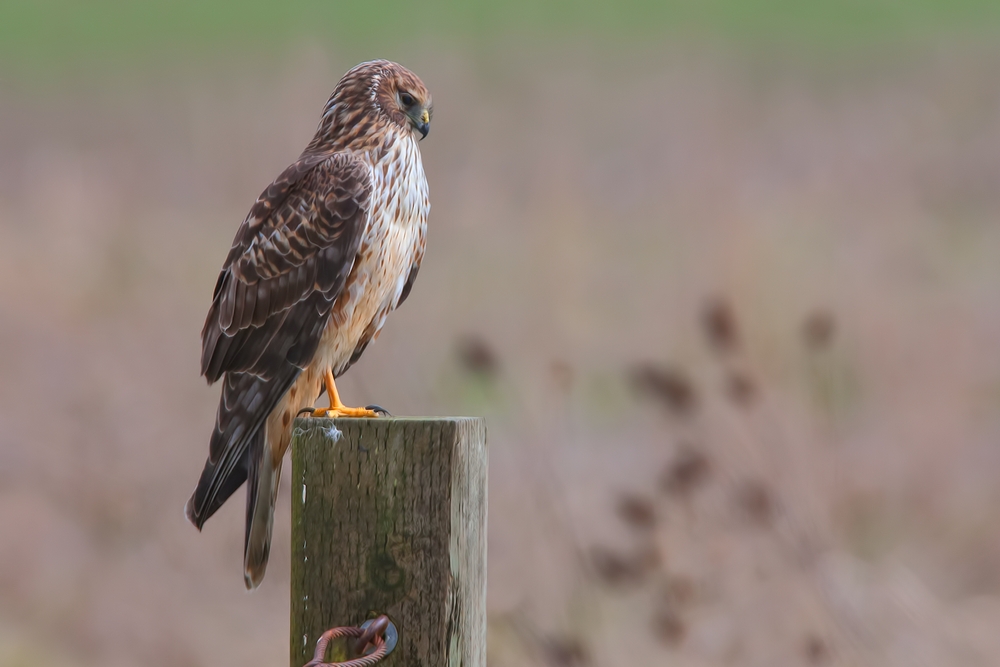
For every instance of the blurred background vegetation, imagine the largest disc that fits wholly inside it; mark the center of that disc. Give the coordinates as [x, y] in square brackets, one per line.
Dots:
[53, 37]
[721, 275]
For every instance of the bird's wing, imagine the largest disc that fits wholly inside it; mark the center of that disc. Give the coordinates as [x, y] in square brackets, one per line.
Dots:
[298, 242]
[272, 301]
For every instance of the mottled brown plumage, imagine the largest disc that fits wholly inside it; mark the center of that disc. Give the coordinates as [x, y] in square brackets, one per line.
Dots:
[326, 252]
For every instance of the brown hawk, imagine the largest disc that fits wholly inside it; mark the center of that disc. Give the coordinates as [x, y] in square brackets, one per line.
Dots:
[327, 251]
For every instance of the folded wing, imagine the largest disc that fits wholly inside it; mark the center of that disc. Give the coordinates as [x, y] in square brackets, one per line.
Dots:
[272, 301]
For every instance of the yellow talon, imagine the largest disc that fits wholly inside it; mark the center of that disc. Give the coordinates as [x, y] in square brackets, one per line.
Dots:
[343, 411]
[337, 408]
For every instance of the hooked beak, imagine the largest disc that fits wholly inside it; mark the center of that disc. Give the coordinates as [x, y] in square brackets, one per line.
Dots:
[424, 126]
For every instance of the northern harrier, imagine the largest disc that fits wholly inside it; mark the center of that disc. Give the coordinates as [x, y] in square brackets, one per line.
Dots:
[327, 251]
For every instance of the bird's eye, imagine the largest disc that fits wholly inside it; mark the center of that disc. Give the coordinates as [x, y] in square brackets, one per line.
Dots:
[406, 99]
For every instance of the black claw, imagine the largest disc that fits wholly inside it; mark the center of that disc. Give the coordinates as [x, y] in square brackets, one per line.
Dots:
[304, 410]
[379, 409]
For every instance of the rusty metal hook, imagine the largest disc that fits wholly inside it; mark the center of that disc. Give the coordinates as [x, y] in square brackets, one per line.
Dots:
[379, 633]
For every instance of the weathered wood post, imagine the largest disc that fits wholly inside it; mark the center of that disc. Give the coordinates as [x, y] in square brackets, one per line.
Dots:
[389, 517]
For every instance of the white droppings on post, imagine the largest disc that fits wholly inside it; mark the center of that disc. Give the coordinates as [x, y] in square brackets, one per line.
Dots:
[334, 433]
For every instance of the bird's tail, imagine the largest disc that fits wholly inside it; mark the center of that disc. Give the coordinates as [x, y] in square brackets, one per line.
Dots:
[245, 403]
[262, 491]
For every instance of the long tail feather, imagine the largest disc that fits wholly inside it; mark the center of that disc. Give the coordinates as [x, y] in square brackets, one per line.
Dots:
[262, 491]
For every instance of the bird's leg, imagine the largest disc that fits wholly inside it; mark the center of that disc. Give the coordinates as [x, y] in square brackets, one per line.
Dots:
[338, 409]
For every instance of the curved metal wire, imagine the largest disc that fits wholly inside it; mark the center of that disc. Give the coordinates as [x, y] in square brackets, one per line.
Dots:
[372, 635]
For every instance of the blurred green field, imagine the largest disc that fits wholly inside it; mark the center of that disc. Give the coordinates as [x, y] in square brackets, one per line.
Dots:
[62, 36]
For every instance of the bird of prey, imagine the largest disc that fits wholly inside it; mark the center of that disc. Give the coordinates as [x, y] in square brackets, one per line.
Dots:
[327, 251]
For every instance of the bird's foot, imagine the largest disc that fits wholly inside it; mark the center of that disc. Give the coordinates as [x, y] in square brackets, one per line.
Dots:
[343, 411]
[338, 409]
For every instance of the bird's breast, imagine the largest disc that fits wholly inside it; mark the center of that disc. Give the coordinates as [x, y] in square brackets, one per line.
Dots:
[392, 244]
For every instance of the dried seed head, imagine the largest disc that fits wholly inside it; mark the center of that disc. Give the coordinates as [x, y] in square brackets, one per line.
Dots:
[741, 389]
[612, 568]
[818, 330]
[669, 627]
[756, 502]
[670, 386]
[616, 569]
[648, 558]
[565, 652]
[476, 356]
[815, 650]
[637, 511]
[680, 591]
[689, 469]
[719, 323]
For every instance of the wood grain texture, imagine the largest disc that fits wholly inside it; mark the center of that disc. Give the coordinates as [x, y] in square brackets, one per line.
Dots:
[389, 516]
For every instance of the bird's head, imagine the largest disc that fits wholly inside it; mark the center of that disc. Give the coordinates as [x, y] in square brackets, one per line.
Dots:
[370, 95]
[405, 100]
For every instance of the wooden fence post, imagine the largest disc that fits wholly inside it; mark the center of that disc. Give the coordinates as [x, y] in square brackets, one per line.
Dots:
[389, 516]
